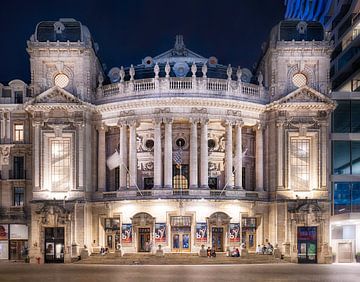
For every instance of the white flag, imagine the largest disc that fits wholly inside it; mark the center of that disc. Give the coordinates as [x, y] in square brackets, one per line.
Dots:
[113, 161]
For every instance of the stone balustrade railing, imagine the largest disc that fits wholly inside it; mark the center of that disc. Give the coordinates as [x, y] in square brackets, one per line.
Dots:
[187, 86]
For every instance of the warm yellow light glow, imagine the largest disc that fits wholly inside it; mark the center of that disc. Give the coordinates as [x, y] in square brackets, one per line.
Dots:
[61, 80]
[299, 80]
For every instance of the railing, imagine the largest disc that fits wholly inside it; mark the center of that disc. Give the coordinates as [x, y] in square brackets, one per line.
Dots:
[179, 192]
[189, 86]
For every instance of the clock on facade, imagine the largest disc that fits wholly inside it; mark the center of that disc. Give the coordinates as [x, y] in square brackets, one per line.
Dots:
[299, 79]
[61, 80]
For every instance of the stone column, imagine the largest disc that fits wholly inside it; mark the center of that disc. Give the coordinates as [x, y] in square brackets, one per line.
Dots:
[193, 154]
[204, 157]
[123, 156]
[101, 159]
[157, 154]
[238, 156]
[280, 154]
[259, 159]
[133, 155]
[2, 135]
[8, 129]
[168, 154]
[80, 127]
[229, 183]
[36, 150]
[324, 146]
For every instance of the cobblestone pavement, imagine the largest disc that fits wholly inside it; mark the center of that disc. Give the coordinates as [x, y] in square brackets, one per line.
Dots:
[171, 273]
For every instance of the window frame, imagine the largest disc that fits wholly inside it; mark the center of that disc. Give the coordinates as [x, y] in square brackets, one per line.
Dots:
[15, 202]
[16, 132]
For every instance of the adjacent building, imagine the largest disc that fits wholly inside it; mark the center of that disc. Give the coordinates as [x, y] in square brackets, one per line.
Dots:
[178, 151]
[343, 26]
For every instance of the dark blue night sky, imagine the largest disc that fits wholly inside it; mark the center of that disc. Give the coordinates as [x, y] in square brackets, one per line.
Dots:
[127, 31]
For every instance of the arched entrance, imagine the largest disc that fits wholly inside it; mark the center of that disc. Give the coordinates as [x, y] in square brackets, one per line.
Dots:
[218, 225]
[143, 227]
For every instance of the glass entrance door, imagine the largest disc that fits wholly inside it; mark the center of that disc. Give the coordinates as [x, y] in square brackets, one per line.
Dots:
[54, 245]
[144, 240]
[307, 244]
[181, 242]
[218, 238]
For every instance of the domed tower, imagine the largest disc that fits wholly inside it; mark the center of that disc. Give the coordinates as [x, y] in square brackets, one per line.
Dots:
[62, 53]
[295, 65]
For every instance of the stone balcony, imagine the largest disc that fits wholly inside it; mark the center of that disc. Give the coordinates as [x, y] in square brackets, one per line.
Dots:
[208, 194]
[197, 87]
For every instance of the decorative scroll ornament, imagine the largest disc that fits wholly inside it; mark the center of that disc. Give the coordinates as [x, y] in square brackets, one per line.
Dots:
[5, 153]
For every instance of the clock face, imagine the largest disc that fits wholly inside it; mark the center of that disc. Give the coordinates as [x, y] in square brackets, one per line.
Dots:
[61, 80]
[299, 80]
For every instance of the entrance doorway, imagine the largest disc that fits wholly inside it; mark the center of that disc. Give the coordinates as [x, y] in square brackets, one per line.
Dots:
[345, 252]
[144, 240]
[307, 244]
[181, 240]
[54, 245]
[180, 233]
[217, 238]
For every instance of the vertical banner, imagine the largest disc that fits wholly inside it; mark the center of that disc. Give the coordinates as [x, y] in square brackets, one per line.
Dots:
[4, 232]
[160, 232]
[201, 232]
[126, 233]
[234, 232]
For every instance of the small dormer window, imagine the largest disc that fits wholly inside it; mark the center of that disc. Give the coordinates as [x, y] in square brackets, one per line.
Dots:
[61, 80]
[59, 27]
[299, 80]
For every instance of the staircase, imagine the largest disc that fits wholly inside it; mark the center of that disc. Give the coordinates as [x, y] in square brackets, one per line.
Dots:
[177, 259]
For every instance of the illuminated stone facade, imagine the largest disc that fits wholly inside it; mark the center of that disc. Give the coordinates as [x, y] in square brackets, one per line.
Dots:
[178, 151]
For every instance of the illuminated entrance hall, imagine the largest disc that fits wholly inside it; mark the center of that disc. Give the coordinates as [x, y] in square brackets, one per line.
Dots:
[176, 152]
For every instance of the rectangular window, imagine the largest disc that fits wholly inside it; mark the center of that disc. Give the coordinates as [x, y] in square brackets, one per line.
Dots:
[341, 157]
[300, 164]
[19, 195]
[60, 164]
[18, 97]
[355, 197]
[342, 200]
[18, 132]
[148, 183]
[341, 117]
[18, 168]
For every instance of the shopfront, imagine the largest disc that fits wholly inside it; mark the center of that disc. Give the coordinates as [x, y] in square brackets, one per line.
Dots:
[13, 241]
[307, 244]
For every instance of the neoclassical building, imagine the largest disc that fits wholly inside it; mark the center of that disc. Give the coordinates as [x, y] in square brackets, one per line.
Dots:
[178, 151]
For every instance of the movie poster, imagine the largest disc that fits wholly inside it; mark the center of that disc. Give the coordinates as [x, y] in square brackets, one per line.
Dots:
[201, 232]
[126, 233]
[160, 232]
[4, 232]
[234, 232]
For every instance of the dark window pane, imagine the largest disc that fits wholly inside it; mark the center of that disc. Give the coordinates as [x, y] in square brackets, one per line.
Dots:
[355, 157]
[341, 198]
[355, 197]
[355, 114]
[341, 157]
[341, 117]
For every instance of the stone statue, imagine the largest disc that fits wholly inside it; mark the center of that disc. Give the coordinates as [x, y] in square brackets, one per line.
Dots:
[156, 70]
[193, 69]
[122, 74]
[132, 72]
[204, 70]
[229, 72]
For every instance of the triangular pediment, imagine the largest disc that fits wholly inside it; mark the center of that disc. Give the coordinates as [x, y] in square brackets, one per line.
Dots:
[56, 95]
[304, 96]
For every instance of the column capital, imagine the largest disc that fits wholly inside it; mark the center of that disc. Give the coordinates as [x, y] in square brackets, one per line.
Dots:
[194, 120]
[122, 122]
[204, 121]
[228, 122]
[37, 123]
[157, 121]
[280, 123]
[133, 122]
[259, 126]
[101, 127]
[239, 123]
[168, 120]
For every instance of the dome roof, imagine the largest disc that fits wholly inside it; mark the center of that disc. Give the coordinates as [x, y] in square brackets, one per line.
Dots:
[297, 30]
[62, 30]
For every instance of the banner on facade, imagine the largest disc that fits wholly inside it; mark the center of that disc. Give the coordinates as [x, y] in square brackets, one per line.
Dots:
[19, 231]
[4, 249]
[201, 232]
[4, 232]
[126, 233]
[160, 232]
[234, 232]
[113, 161]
